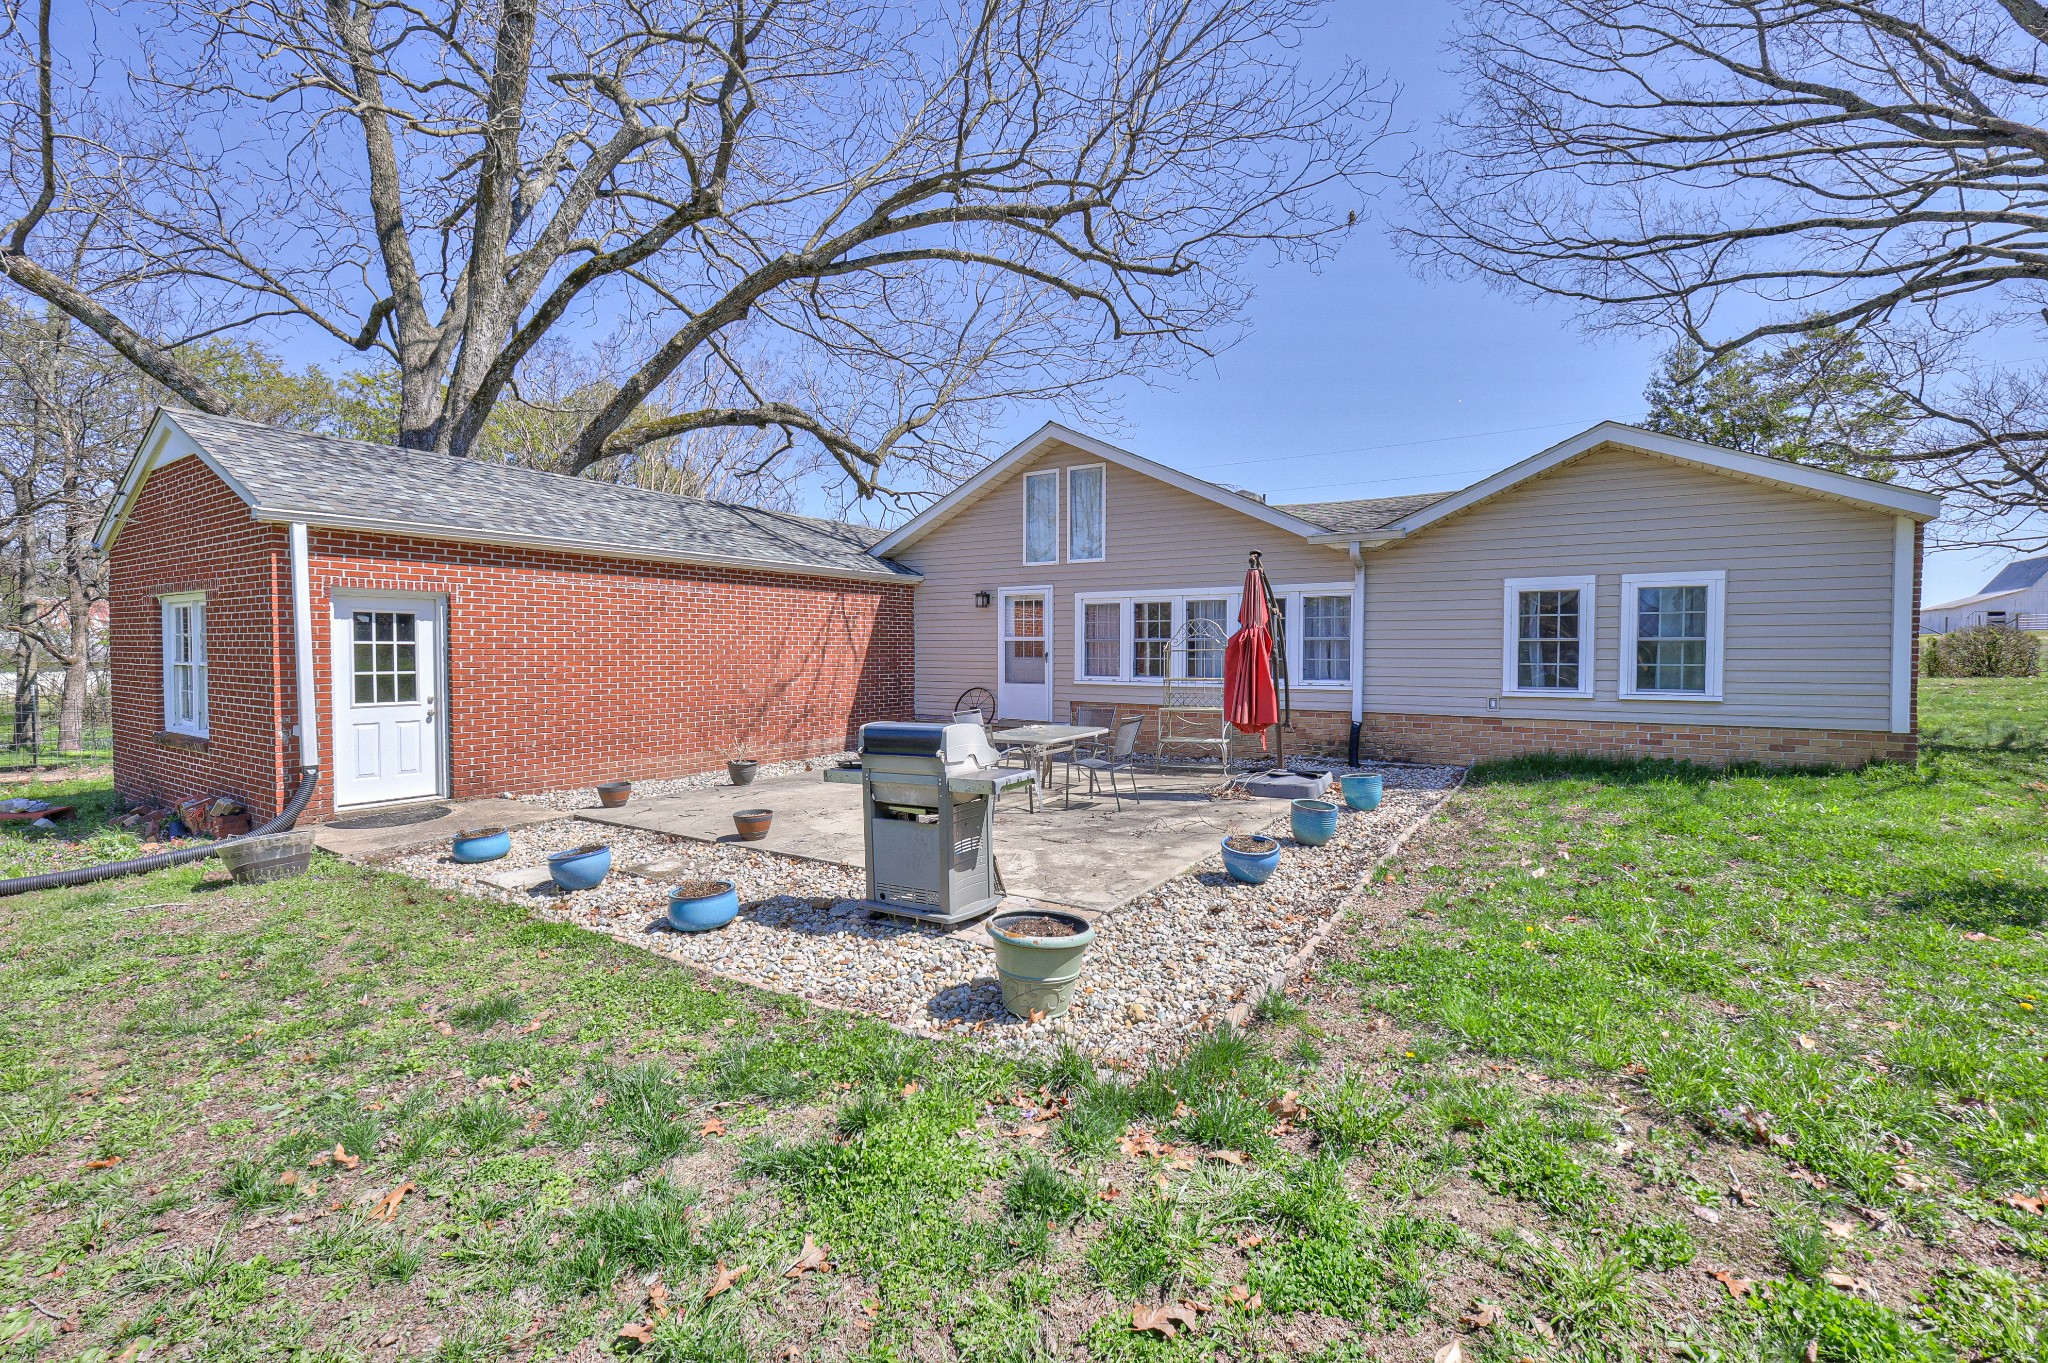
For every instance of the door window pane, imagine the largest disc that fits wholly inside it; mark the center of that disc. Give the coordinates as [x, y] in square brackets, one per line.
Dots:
[1042, 517]
[1204, 659]
[1084, 514]
[386, 670]
[1326, 638]
[1151, 637]
[1100, 625]
[1547, 641]
[1024, 652]
[1671, 639]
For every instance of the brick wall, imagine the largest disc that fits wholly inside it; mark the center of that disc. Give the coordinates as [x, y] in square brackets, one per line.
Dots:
[188, 532]
[563, 670]
[1478, 738]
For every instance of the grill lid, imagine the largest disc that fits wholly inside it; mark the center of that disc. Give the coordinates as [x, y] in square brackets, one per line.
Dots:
[903, 740]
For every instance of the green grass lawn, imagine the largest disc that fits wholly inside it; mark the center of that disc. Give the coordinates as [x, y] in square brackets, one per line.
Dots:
[1619, 1061]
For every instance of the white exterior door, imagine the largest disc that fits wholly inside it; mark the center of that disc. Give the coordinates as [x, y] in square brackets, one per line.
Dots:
[387, 688]
[1024, 667]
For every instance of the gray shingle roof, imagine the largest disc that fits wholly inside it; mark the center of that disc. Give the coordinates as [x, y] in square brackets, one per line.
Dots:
[326, 480]
[2014, 576]
[1369, 513]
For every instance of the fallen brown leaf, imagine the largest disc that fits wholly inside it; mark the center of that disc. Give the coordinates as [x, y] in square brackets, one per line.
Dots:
[1845, 1282]
[1288, 1105]
[1481, 1318]
[1976, 937]
[1737, 1287]
[1453, 1352]
[1228, 1156]
[1035, 1016]
[812, 1260]
[387, 1206]
[657, 1300]
[2018, 1202]
[444, 1029]
[639, 1332]
[725, 1279]
[1841, 1230]
[712, 1127]
[910, 1089]
[107, 1163]
[1250, 1240]
[1806, 1043]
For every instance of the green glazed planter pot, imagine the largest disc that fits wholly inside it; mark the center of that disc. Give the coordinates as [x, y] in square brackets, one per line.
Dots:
[1038, 974]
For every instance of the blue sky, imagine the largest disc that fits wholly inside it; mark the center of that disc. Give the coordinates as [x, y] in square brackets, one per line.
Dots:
[1362, 380]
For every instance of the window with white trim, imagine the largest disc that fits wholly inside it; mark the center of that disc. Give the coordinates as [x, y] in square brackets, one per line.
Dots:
[1326, 638]
[1671, 628]
[1042, 516]
[1126, 637]
[1086, 513]
[1203, 656]
[184, 622]
[1550, 636]
[1102, 625]
[1151, 638]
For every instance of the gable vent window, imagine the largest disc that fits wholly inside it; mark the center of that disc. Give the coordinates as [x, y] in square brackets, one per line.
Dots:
[184, 625]
[1085, 513]
[1042, 517]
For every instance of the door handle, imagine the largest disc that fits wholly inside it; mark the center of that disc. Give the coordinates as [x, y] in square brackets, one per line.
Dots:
[430, 710]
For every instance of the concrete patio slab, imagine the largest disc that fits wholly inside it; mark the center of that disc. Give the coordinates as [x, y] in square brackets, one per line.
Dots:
[362, 843]
[1091, 857]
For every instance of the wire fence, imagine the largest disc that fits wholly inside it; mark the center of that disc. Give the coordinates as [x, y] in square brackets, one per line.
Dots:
[32, 729]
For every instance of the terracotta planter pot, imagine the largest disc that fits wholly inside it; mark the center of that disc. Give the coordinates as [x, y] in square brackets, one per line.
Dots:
[612, 794]
[752, 823]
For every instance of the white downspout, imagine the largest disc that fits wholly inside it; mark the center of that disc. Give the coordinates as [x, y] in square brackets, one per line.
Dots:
[1357, 633]
[302, 647]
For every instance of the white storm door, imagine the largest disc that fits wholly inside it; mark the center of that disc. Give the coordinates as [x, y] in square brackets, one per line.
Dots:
[1024, 667]
[387, 687]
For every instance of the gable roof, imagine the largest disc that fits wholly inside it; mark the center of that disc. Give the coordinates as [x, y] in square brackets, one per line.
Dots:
[1051, 434]
[1366, 513]
[1375, 521]
[2016, 576]
[286, 475]
[1977, 599]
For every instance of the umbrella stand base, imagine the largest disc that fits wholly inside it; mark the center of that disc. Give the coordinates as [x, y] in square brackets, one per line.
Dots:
[1282, 784]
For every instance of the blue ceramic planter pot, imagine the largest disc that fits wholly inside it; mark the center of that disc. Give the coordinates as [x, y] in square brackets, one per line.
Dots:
[1361, 791]
[1253, 868]
[482, 844]
[581, 868]
[692, 910]
[1313, 822]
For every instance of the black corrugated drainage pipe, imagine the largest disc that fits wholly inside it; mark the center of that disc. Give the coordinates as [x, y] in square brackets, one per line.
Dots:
[135, 866]
[1355, 727]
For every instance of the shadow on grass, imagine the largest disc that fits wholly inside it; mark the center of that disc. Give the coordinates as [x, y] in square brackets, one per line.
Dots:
[1978, 905]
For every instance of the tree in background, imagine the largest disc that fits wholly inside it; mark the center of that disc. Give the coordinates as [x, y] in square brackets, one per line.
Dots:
[1816, 400]
[1744, 172]
[864, 226]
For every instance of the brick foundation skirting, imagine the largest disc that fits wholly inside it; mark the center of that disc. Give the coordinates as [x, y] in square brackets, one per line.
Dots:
[1460, 740]
[1478, 738]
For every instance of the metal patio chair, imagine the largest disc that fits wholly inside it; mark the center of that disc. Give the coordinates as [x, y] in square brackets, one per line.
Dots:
[1119, 756]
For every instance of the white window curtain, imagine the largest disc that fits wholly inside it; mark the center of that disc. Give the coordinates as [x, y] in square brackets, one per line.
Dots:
[1042, 517]
[1085, 519]
[1326, 638]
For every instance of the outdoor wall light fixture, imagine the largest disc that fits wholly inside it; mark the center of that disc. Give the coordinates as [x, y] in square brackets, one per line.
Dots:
[983, 600]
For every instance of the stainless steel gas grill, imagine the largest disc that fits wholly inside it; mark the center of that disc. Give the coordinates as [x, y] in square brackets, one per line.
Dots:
[928, 800]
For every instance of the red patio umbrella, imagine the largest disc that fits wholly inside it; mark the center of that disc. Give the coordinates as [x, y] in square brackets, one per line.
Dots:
[1250, 701]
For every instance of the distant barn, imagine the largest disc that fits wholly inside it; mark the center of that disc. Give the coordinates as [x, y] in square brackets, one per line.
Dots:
[2017, 596]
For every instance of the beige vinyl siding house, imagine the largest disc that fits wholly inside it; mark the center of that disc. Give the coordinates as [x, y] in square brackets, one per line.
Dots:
[1619, 593]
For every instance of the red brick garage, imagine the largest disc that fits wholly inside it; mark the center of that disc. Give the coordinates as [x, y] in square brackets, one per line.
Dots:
[494, 629]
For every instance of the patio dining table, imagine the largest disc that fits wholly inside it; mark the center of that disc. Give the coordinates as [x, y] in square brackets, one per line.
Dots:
[1044, 742]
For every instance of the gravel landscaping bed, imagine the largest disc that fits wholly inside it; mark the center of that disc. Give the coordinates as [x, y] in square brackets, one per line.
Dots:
[1170, 962]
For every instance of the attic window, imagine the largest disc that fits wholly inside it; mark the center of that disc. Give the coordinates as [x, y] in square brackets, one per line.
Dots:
[1085, 513]
[1042, 517]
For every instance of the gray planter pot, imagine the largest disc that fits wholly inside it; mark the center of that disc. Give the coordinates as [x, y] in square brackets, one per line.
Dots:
[1038, 973]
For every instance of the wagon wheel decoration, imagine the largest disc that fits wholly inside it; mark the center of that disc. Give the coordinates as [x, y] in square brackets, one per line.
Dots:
[977, 698]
